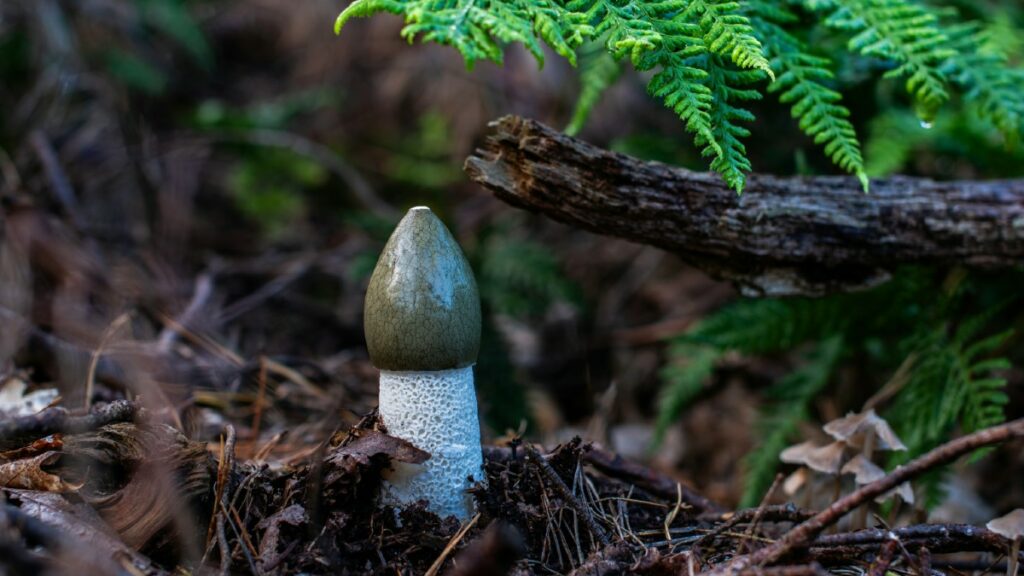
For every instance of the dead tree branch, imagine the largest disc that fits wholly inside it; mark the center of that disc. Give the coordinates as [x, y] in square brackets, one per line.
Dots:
[783, 236]
[58, 420]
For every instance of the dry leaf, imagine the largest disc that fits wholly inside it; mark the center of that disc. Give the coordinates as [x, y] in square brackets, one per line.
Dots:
[53, 442]
[96, 549]
[28, 474]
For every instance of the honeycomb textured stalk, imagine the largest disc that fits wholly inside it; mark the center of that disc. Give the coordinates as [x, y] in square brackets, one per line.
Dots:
[436, 411]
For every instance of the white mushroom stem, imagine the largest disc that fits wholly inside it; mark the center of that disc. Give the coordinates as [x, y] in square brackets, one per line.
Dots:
[1011, 567]
[436, 411]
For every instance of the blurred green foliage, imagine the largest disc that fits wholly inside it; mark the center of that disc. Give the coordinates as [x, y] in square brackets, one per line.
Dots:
[940, 334]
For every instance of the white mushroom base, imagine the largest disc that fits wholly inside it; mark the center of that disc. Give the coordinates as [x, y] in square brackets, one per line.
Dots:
[436, 412]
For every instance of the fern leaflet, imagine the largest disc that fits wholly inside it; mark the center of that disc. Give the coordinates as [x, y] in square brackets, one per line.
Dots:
[987, 82]
[479, 28]
[801, 83]
[598, 71]
[686, 374]
[729, 87]
[728, 33]
[904, 33]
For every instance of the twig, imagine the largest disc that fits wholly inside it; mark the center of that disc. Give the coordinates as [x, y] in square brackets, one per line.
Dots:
[248, 550]
[558, 484]
[94, 359]
[774, 513]
[935, 536]
[813, 569]
[222, 545]
[783, 236]
[884, 559]
[68, 545]
[224, 470]
[617, 467]
[58, 420]
[58, 179]
[804, 533]
[759, 512]
[200, 296]
[294, 271]
[436, 566]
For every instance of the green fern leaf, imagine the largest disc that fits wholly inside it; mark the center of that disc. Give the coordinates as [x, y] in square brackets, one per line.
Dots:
[520, 278]
[801, 83]
[479, 29]
[728, 33]
[686, 374]
[766, 326]
[906, 34]
[988, 83]
[728, 89]
[598, 71]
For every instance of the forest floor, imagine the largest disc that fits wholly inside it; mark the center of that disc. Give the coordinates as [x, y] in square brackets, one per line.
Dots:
[119, 489]
[184, 386]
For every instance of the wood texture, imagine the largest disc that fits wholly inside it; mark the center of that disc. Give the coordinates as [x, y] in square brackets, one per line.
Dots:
[782, 236]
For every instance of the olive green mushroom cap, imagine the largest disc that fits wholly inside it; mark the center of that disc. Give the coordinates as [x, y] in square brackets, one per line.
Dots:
[422, 309]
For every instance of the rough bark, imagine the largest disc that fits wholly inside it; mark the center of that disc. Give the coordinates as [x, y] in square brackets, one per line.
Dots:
[782, 236]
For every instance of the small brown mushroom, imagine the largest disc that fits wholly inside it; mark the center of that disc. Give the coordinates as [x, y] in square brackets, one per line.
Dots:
[1010, 527]
[865, 431]
[865, 472]
[826, 459]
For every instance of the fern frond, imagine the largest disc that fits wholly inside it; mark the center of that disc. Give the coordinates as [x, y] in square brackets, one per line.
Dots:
[801, 83]
[598, 71]
[906, 34]
[790, 405]
[729, 88]
[521, 278]
[681, 87]
[479, 28]
[683, 47]
[686, 373]
[766, 326]
[629, 28]
[988, 83]
[951, 383]
[728, 33]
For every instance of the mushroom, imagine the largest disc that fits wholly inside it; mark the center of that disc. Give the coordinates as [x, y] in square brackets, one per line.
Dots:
[865, 472]
[422, 323]
[867, 431]
[1010, 527]
[825, 459]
